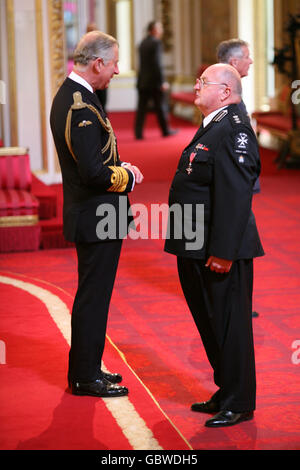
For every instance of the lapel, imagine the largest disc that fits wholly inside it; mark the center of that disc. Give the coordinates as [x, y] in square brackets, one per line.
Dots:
[202, 130]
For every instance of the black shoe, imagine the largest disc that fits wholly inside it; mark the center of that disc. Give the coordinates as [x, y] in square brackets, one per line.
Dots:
[98, 388]
[209, 406]
[228, 418]
[112, 378]
[170, 132]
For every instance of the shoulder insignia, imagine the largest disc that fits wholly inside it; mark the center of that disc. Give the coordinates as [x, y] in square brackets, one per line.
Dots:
[111, 144]
[78, 103]
[220, 115]
[236, 119]
[242, 141]
[85, 123]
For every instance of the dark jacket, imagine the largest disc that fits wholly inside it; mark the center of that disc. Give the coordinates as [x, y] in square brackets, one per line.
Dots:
[150, 64]
[89, 178]
[225, 167]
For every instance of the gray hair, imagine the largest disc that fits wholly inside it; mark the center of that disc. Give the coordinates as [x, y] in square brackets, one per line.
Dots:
[93, 45]
[231, 48]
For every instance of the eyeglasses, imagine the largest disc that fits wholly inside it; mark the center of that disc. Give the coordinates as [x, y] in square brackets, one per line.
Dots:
[203, 82]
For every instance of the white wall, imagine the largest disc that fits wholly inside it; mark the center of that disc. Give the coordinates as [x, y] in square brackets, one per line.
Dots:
[122, 93]
[28, 107]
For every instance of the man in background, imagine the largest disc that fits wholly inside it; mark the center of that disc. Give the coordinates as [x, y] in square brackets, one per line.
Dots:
[151, 83]
[235, 52]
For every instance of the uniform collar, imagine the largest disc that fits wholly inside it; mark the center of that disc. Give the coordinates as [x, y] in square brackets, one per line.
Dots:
[210, 117]
[76, 78]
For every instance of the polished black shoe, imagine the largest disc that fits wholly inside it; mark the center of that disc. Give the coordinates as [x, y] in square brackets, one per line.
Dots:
[98, 388]
[209, 406]
[170, 132]
[112, 378]
[228, 418]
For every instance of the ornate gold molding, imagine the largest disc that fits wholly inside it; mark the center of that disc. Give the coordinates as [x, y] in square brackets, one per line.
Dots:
[259, 47]
[57, 48]
[57, 43]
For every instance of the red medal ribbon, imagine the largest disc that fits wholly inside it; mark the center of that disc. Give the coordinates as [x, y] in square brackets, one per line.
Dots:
[189, 168]
[192, 156]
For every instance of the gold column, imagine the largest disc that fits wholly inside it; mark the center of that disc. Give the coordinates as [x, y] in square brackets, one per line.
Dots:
[234, 19]
[13, 112]
[57, 43]
[41, 78]
[259, 12]
[57, 48]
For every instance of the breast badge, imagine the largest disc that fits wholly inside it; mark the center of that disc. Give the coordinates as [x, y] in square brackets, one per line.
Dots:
[85, 123]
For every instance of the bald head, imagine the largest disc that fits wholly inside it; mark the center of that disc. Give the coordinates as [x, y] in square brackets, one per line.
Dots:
[227, 74]
[220, 86]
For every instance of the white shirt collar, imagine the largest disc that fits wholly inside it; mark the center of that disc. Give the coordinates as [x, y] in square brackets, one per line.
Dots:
[210, 117]
[76, 78]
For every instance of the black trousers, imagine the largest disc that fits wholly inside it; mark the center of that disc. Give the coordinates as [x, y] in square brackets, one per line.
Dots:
[160, 107]
[221, 305]
[97, 267]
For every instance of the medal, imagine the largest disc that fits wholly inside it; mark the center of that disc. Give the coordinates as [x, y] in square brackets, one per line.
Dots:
[189, 168]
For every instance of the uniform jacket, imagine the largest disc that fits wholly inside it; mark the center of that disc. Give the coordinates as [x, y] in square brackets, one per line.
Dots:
[91, 168]
[150, 67]
[225, 165]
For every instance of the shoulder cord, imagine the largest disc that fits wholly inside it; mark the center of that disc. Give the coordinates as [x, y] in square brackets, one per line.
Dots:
[111, 143]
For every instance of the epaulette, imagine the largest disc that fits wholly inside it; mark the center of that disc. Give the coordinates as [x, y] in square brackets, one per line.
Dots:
[236, 119]
[78, 103]
[220, 115]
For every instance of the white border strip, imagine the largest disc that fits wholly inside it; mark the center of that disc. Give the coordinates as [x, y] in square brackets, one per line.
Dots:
[132, 425]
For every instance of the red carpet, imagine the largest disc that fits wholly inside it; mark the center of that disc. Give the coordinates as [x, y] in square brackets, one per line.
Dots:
[152, 339]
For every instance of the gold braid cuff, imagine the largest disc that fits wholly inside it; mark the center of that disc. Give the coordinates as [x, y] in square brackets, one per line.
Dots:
[111, 143]
[119, 179]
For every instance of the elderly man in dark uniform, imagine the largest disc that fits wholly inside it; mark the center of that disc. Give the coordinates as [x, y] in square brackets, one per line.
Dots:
[94, 178]
[217, 171]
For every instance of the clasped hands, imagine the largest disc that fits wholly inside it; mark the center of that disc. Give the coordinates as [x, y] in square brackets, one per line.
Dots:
[137, 173]
[218, 265]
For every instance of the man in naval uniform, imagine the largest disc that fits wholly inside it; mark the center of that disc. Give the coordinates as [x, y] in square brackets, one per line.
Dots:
[94, 179]
[217, 171]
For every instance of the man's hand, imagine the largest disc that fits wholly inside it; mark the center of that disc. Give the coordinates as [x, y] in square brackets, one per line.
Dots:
[137, 173]
[218, 265]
